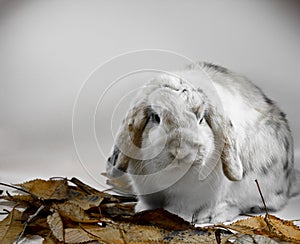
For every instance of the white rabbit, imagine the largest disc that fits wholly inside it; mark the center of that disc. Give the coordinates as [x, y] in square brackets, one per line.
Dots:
[194, 142]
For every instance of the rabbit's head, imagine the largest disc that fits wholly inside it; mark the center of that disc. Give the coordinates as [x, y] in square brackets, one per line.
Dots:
[171, 124]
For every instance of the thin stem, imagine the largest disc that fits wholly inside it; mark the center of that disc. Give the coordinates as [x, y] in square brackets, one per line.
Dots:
[14, 187]
[262, 197]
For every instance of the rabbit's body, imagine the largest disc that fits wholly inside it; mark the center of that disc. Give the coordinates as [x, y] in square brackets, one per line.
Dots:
[216, 143]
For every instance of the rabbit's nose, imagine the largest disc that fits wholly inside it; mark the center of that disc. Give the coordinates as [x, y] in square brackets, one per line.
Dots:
[179, 153]
[178, 150]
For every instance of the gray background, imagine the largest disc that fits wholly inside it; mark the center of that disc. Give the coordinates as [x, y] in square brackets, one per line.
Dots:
[48, 49]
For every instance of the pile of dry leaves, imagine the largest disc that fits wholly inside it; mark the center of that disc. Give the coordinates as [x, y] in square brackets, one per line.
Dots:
[69, 211]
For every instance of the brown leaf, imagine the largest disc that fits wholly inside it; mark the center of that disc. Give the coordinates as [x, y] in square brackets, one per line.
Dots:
[115, 232]
[47, 189]
[23, 200]
[112, 233]
[56, 225]
[90, 215]
[285, 229]
[77, 235]
[31, 213]
[73, 212]
[250, 225]
[50, 239]
[277, 228]
[11, 227]
[83, 200]
[117, 209]
[160, 218]
[38, 227]
[89, 190]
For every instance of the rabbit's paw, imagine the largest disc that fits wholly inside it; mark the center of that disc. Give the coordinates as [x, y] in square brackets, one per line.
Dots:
[224, 212]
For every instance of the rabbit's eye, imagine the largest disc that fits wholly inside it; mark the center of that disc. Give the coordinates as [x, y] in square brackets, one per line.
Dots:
[198, 115]
[155, 118]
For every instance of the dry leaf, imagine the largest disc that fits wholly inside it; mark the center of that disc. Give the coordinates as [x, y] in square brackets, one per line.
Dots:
[56, 225]
[285, 229]
[83, 200]
[115, 232]
[73, 212]
[61, 213]
[38, 227]
[117, 209]
[89, 190]
[51, 189]
[31, 213]
[50, 239]
[11, 227]
[77, 235]
[276, 228]
[23, 200]
[160, 218]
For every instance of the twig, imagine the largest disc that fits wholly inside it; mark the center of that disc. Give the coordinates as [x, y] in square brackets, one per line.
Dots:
[5, 211]
[266, 218]
[262, 198]
[57, 178]
[28, 221]
[16, 188]
[295, 220]
[35, 214]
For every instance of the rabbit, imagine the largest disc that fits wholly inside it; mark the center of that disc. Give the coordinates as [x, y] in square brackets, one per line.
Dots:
[196, 148]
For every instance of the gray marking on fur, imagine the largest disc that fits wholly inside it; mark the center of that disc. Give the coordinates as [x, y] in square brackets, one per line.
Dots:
[279, 192]
[216, 67]
[256, 209]
[268, 100]
[169, 87]
[196, 213]
[265, 170]
[286, 165]
[114, 157]
[286, 144]
[288, 174]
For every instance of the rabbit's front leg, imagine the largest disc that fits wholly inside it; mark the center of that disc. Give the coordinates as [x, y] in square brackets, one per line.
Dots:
[224, 211]
[141, 206]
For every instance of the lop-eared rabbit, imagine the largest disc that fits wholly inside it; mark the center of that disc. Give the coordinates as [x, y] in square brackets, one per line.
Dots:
[193, 142]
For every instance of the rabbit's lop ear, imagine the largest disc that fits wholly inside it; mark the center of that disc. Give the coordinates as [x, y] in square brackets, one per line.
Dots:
[225, 144]
[129, 140]
[232, 166]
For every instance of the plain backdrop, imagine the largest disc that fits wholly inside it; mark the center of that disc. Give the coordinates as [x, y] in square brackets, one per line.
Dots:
[48, 49]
